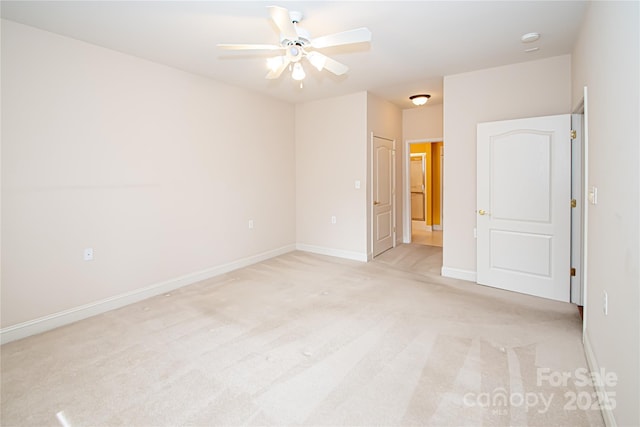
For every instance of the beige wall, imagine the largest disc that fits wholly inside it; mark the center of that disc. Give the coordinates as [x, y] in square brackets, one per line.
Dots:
[331, 153]
[157, 170]
[384, 119]
[333, 138]
[422, 123]
[605, 60]
[535, 88]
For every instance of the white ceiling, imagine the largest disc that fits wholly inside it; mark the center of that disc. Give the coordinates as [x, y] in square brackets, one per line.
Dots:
[414, 43]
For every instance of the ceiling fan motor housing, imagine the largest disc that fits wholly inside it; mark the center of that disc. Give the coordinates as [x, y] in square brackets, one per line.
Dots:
[295, 16]
[304, 38]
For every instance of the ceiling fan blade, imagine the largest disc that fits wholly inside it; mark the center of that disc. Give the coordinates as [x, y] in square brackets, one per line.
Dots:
[282, 19]
[275, 73]
[228, 46]
[359, 35]
[323, 62]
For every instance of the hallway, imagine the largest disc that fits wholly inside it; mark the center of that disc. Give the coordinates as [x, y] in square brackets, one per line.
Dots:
[424, 237]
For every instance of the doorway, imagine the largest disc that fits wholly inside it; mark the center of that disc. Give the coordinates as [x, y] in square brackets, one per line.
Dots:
[424, 192]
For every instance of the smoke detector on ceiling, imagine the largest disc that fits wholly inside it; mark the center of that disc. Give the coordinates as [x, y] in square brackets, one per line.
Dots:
[530, 37]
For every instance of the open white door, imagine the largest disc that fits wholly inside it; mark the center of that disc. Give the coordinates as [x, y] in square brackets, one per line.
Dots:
[383, 188]
[524, 205]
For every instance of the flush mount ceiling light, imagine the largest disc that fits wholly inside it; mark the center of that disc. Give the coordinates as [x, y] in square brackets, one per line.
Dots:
[530, 37]
[420, 99]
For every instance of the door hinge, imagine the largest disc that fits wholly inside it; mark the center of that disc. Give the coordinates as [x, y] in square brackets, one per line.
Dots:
[574, 203]
[573, 272]
[574, 134]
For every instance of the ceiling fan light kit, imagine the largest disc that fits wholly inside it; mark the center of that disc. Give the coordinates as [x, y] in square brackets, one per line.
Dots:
[296, 42]
[419, 99]
[274, 63]
[298, 72]
[317, 60]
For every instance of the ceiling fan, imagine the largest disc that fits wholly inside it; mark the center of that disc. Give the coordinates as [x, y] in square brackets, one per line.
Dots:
[296, 42]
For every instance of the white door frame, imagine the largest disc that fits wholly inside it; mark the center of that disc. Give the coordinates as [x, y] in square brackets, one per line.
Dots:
[577, 211]
[406, 186]
[583, 109]
[440, 227]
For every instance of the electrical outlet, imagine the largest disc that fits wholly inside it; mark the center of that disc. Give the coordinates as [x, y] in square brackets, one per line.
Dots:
[357, 185]
[88, 254]
[605, 303]
[250, 224]
[333, 219]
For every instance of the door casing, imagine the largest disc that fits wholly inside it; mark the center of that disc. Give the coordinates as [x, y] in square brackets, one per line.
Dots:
[577, 212]
[406, 186]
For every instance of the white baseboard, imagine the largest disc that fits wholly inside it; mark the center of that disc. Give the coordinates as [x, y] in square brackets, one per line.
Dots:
[456, 273]
[356, 256]
[437, 227]
[601, 392]
[52, 321]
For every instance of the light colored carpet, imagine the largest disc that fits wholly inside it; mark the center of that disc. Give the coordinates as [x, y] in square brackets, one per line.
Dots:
[307, 339]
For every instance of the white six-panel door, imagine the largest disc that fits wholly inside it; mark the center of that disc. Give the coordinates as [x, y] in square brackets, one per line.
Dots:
[383, 186]
[523, 205]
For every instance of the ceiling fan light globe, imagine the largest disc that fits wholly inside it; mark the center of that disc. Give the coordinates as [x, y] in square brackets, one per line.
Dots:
[317, 60]
[274, 63]
[298, 72]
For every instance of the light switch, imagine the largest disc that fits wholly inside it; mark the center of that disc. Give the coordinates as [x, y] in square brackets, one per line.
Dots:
[357, 184]
[593, 195]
